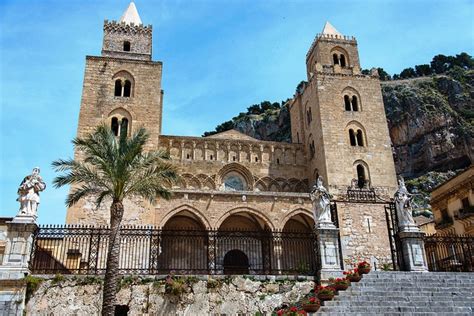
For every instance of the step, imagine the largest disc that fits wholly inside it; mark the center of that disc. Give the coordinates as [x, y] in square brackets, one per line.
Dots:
[401, 303]
[390, 309]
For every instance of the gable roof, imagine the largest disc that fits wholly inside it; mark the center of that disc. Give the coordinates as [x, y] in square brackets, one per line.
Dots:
[232, 134]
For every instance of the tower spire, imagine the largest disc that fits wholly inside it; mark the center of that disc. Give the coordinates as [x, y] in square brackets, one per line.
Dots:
[330, 30]
[131, 15]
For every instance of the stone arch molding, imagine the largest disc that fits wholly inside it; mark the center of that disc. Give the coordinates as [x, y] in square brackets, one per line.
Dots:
[293, 213]
[185, 207]
[238, 168]
[244, 209]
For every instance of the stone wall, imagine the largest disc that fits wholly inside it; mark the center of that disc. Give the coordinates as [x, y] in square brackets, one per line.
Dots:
[188, 296]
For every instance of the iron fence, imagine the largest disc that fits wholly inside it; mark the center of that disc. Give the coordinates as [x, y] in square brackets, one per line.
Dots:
[147, 250]
[450, 253]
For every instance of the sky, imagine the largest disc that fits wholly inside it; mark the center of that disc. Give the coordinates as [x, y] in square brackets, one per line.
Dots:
[219, 57]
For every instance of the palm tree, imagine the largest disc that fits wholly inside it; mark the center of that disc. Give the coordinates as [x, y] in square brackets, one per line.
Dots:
[111, 169]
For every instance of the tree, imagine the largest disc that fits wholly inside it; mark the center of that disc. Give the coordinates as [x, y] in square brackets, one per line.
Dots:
[254, 109]
[115, 169]
[464, 60]
[408, 73]
[441, 63]
[383, 75]
[423, 70]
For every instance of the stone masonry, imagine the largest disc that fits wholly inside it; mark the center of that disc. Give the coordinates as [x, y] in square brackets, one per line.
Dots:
[232, 181]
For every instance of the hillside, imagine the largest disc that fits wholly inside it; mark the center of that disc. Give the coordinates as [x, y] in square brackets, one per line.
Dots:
[430, 115]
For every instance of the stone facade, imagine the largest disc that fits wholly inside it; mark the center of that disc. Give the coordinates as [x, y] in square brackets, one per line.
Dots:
[232, 181]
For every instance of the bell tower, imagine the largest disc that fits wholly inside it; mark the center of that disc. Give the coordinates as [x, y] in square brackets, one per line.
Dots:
[338, 114]
[122, 87]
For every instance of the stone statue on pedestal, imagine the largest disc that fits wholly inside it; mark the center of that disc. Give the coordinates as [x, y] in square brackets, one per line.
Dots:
[321, 202]
[404, 205]
[28, 193]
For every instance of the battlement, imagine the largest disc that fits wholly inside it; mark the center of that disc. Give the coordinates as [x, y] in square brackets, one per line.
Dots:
[128, 28]
[331, 38]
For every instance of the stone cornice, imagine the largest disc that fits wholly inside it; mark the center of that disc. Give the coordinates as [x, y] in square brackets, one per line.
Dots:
[124, 60]
[212, 193]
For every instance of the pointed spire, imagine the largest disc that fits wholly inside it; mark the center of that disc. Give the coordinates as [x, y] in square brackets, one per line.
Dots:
[330, 30]
[131, 15]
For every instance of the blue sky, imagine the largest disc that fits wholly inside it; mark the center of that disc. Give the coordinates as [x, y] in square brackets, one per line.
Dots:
[219, 57]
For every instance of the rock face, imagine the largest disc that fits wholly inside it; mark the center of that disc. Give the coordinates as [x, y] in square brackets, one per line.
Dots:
[273, 125]
[145, 296]
[430, 122]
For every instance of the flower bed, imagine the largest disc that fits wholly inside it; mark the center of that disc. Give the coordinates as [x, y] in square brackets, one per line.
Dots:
[339, 284]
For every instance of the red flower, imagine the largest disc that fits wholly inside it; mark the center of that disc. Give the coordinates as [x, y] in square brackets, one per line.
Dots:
[293, 309]
[312, 299]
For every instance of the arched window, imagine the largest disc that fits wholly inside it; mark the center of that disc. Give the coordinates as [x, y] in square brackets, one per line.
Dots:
[126, 46]
[127, 88]
[343, 60]
[352, 137]
[115, 126]
[355, 105]
[297, 137]
[118, 88]
[360, 138]
[361, 177]
[335, 59]
[233, 182]
[124, 127]
[347, 103]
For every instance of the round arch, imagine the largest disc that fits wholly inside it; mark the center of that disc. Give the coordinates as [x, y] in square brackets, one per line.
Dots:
[355, 126]
[356, 166]
[351, 92]
[120, 119]
[244, 210]
[239, 169]
[183, 208]
[339, 50]
[125, 82]
[295, 213]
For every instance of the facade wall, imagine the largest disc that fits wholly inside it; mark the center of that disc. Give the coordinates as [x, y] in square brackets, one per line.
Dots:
[450, 214]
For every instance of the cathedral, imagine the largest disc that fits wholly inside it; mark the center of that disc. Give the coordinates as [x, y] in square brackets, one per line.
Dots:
[231, 181]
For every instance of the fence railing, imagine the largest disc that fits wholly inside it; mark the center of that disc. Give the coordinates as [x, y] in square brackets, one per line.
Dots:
[450, 253]
[146, 250]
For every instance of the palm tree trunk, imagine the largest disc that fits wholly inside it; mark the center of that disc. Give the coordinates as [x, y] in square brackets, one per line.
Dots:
[112, 269]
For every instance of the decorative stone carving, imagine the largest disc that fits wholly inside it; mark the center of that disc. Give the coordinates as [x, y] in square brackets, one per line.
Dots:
[28, 193]
[404, 206]
[321, 200]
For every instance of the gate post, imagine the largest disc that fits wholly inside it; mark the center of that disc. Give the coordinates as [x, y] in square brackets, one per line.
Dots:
[413, 251]
[327, 236]
[15, 266]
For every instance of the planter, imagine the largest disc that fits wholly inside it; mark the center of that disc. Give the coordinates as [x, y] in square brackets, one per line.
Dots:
[364, 270]
[325, 297]
[310, 308]
[340, 287]
[355, 278]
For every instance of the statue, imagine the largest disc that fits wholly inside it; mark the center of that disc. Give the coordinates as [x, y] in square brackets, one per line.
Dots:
[404, 205]
[28, 193]
[321, 202]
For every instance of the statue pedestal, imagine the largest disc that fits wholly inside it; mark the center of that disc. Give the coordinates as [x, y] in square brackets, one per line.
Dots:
[413, 250]
[329, 254]
[14, 268]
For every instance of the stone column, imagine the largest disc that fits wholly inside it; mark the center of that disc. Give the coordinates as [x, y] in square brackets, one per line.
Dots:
[413, 250]
[329, 255]
[19, 238]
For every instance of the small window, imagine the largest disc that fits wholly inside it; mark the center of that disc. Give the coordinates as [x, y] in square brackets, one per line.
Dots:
[361, 179]
[355, 105]
[278, 161]
[335, 59]
[187, 156]
[233, 158]
[297, 137]
[352, 138]
[127, 88]
[124, 127]
[126, 46]
[211, 157]
[360, 138]
[115, 126]
[343, 60]
[256, 159]
[347, 103]
[118, 88]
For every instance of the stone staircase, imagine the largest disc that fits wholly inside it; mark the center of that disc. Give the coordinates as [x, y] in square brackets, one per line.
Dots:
[406, 293]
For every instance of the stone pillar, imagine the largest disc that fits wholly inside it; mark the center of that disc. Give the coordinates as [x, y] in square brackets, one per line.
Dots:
[329, 254]
[19, 238]
[413, 251]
